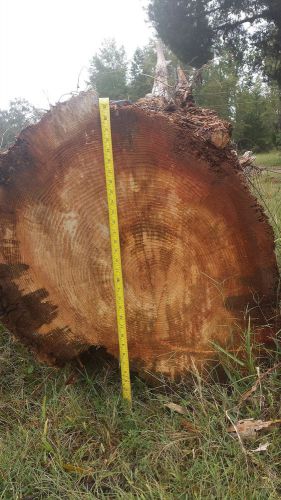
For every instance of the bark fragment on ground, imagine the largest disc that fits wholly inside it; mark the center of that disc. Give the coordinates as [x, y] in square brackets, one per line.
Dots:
[197, 249]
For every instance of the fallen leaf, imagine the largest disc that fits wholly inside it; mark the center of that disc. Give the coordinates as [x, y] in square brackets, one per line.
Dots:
[249, 427]
[176, 408]
[188, 426]
[72, 378]
[76, 468]
[261, 447]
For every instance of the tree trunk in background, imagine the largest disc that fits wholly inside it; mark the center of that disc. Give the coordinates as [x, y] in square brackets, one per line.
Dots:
[160, 87]
[197, 249]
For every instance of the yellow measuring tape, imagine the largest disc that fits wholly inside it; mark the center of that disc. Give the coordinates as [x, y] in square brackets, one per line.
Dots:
[115, 246]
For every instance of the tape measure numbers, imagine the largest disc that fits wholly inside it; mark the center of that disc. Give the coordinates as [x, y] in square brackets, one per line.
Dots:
[115, 247]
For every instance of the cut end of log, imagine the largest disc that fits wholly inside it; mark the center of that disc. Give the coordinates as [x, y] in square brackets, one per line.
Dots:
[197, 250]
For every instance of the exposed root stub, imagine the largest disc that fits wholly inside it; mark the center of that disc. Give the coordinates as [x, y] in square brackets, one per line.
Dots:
[197, 250]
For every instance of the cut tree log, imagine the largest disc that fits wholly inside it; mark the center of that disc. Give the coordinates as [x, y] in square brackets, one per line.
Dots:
[197, 249]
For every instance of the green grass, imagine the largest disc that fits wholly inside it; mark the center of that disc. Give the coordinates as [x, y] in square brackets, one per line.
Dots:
[77, 440]
[270, 159]
[66, 434]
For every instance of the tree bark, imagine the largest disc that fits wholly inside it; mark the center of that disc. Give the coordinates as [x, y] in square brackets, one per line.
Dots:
[161, 87]
[197, 249]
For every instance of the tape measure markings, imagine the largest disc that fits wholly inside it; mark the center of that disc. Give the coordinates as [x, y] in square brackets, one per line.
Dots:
[115, 247]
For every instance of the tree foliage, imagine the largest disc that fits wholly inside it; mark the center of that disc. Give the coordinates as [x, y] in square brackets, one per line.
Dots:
[142, 71]
[111, 74]
[218, 86]
[12, 120]
[252, 106]
[227, 86]
[183, 26]
[256, 117]
[108, 71]
[194, 29]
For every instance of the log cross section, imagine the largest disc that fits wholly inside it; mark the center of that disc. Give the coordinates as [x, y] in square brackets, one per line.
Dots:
[197, 249]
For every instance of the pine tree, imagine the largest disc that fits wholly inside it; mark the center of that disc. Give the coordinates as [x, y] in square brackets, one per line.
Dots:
[12, 120]
[248, 102]
[108, 71]
[141, 72]
[193, 29]
[256, 117]
[219, 86]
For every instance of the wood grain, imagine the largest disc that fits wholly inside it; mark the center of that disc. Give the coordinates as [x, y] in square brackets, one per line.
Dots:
[197, 250]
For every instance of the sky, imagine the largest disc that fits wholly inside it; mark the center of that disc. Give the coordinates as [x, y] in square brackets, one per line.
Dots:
[46, 44]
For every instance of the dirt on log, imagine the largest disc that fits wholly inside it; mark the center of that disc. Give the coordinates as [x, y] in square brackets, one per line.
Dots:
[197, 249]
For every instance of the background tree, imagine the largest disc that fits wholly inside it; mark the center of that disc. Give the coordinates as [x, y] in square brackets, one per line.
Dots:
[112, 75]
[194, 29]
[218, 86]
[142, 71]
[183, 26]
[252, 105]
[12, 120]
[256, 117]
[108, 71]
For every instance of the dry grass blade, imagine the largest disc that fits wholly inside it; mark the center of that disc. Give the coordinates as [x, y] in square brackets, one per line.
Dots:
[253, 389]
[77, 469]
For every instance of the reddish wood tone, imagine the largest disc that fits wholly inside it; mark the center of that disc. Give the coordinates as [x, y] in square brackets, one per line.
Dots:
[197, 250]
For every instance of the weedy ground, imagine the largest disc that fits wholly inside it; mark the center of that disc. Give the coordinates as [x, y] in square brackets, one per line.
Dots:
[271, 159]
[66, 434]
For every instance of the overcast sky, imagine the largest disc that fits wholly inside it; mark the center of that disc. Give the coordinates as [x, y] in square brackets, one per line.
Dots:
[44, 44]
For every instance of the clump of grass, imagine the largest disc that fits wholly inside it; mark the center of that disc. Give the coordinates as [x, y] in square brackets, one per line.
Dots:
[269, 159]
[267, 188]
[66, 434]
